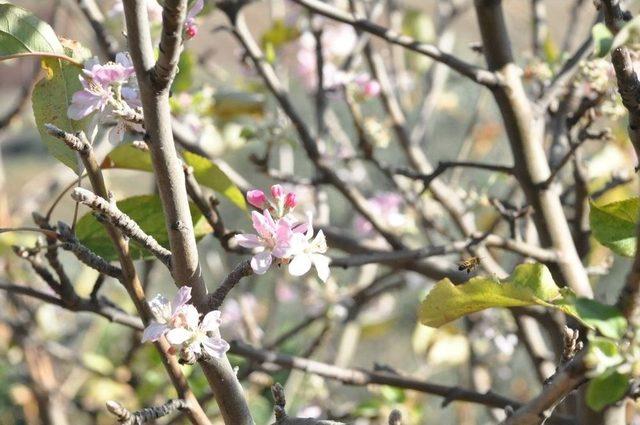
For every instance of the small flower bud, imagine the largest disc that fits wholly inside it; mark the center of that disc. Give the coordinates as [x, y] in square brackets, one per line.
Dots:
[257, 198]
[277, 191]
[191, 31]
[290, 201]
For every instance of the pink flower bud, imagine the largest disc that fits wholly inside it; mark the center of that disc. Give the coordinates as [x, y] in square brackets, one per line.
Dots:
[192, 31]
[371, 88]
[277, 191]
[290, 201]
[257, 198]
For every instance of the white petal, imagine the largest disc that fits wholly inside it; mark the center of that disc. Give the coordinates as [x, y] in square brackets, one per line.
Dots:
[178, 335]
[215, 347]
[191, 315]
[300, 265]
[182, 297]
[321, 263]
[153, 332]
[211, 321]
[160, 308]
[261, 262]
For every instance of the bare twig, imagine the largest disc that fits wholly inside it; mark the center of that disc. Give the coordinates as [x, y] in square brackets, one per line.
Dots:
[478, 75]
[123, 222]
[148, 414]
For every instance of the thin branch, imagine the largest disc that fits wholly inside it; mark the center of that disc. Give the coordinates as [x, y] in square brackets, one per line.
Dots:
[481, 76]
[540, 408]
[148, 414]
[445, 165]
[217, 297]
[123, 222]
[361, 377]
[85, 255]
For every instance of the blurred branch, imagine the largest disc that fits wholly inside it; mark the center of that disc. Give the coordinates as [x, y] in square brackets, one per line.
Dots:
[148, 414]
[481, 76]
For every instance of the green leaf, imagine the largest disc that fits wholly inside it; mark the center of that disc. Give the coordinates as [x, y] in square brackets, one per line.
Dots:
[206, 172]
[22, 32]
[602, 39]
[209, 174]
[128, 157]
[606, 389]
[51, 99]
[614, 225]
[146, 210]
[606, 319]
[530, 284]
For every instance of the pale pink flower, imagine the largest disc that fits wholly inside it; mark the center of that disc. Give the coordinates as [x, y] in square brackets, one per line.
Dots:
[194, 337]
[93, 97]
[367, 86]
[388, 207]
[117, 72]
[166, 313]
[272, 240]
[305, 251]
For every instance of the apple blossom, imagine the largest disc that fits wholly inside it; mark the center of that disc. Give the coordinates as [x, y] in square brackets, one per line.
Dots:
[194, 336]
[271, 241]
[165, 313]
[387, 206]
[307, 251]
[191, 29]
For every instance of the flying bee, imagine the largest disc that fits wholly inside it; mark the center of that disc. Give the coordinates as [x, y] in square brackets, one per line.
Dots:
[469, 264]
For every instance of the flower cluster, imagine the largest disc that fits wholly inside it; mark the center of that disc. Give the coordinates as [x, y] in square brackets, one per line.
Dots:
[283, 238]
[389, 207]
[338, 41]
[180, 323]
[110, 89]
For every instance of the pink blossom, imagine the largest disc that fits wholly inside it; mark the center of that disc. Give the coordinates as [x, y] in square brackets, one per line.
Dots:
[93, 97]
[272, 240]
[165, 313]
[338, 41]
[194, 337]
[117, 72]
[191, 29]
[368, 86]
[387, 206]
[257, 198]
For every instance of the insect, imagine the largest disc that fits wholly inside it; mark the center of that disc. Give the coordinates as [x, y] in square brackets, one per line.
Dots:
[469, 264]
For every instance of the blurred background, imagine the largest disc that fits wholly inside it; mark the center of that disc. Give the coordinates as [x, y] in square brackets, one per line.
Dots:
[77, 362]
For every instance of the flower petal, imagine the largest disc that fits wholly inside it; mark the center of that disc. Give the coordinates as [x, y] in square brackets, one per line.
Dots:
[249, 241]
[321, 263]
[191, 315]
[153, 332]
[215, 347]
[181, 298]
[261, 262]
[300, 264]
[178, 336]
[211, 321]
